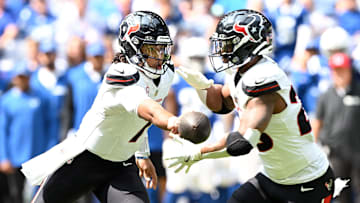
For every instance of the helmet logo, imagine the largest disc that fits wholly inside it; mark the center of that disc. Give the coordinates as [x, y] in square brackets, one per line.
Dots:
[240, 29]
[132, 29]
[251, 29]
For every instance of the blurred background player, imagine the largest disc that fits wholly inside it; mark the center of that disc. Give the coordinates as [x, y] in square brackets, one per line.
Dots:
[336, 126]
[22, 130]
[84, 81]
[286, 19]
[50, 83]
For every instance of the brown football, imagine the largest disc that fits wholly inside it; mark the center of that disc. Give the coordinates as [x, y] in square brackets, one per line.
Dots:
[195, 127]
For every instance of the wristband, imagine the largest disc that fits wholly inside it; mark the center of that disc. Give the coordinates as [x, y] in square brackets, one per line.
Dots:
[253, 136]
[141, 157]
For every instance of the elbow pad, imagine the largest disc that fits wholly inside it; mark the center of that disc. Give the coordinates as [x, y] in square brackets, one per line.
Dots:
[237, 145]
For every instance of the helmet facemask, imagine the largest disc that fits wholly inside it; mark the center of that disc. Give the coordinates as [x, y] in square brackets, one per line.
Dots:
[225, 54]
[153, 57]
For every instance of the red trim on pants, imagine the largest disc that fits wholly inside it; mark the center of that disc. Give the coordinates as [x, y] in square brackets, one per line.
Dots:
[327, 199]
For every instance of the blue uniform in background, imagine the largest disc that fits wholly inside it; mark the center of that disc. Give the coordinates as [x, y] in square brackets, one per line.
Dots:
[5, 77]
[311, 83]
[29, 19]
[21, 127]
[53, 100]
[285, 24]
[350, 21]
[83, 90]
[5, 19]
[156, 139]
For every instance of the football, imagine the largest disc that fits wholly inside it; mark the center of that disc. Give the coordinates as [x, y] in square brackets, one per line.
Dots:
[194, 126]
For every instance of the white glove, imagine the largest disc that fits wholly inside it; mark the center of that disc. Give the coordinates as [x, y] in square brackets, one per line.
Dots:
[191, 155]
[340, 184]
[195, 78]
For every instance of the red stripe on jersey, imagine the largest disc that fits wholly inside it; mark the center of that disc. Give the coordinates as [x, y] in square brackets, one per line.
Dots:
[264, 89]
[115, 80]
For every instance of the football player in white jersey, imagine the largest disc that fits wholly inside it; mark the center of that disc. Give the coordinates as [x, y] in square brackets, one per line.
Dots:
[272, 118]
[112, 138]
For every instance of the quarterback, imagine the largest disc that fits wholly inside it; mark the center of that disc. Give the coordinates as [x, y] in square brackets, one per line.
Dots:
[272, 118]
[112, 138]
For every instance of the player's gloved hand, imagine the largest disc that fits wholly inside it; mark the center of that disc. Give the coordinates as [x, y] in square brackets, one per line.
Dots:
[191, 154]
[195, 78]
[340, 184]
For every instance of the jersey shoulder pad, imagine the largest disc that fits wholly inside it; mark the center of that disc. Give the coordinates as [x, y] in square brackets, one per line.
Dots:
[263, 78]
[122, 74]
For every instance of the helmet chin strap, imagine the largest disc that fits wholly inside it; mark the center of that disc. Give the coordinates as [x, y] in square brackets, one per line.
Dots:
[236, 67]
[135, 60]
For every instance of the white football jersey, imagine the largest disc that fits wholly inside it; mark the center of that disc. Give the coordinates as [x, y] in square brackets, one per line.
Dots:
[112, 128]
[287, 148]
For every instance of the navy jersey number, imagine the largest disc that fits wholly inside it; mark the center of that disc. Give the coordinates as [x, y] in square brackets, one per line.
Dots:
[302, 118]
[266, 143]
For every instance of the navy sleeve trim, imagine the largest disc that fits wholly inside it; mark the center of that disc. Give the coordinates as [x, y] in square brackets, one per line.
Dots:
[255, 91]
[122, 80]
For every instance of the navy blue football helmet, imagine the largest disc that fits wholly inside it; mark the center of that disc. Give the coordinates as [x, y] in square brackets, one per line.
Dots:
[140, 33]
[240, 35]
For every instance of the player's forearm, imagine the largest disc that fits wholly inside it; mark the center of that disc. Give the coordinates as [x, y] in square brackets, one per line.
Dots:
[221, 144]
[215, 151]
[154, 113]
[213, 97]
[218, 99]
